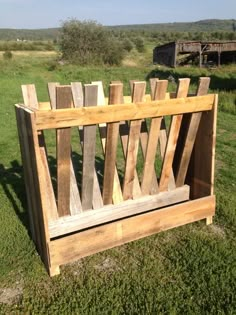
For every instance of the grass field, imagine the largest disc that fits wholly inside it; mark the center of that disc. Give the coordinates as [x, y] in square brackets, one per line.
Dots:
[188, 270]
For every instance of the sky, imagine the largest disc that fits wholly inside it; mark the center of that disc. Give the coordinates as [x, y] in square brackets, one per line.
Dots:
[32, 14]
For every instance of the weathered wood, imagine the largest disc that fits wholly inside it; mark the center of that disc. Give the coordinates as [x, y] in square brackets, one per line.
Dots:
[133, 144]
[148, 169]
[89, 146]
[63, 100]
[110, 213]
[78, 98]
[75, 202]
[100, 238]
[188, 135]
[182, 91]
[153, 82]
[30, 99]
[116, 96]
[95, 115]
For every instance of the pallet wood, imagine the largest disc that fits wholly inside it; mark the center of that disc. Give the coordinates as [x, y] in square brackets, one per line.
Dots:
[113, 220]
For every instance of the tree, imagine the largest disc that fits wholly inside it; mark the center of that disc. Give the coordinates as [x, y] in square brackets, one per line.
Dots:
[87, 42]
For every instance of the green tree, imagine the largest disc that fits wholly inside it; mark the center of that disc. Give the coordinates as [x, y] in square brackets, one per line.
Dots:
[87, 42]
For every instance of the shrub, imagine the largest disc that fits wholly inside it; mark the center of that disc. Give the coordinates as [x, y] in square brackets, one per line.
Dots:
[87, 42]
[7, 55]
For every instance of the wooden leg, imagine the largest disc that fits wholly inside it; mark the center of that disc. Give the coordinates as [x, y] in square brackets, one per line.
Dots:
[209, 220]
[54, 271]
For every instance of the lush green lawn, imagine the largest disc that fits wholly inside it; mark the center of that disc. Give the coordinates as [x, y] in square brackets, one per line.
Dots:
[188, 270]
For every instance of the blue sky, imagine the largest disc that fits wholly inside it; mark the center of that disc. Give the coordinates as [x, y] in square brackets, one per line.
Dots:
[50, 13]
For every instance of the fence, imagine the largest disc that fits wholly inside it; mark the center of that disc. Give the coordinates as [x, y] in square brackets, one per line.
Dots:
[114, 173]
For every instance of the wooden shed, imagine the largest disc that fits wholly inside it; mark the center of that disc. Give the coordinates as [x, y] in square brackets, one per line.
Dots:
[202, 52]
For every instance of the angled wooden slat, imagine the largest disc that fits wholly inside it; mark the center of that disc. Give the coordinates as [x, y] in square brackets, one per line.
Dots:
[190, 127]
[30, 96]
[30, 99]
[115, 96]
[52, 93]
[153, 82]
[75, 202]
[175, 125]
[89, 147]
[133, 144]
[63, 100]
[148, 169]
[78, 98]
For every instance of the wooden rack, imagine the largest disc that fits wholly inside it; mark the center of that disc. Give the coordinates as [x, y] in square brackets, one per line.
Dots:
[140, 165]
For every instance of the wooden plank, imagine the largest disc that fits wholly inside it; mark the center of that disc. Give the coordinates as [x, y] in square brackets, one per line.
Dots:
[188, 136]
[115, 96]
[78, 97]
[139, 110]
[75, 202]
[148, 169]
[175, 125]
[153, 82]
[133, 144]
[29, 95]
[30, 99]
[89, 146]
[63, 100]
[201, 172]
[111, 213]
[73, 247]
[52, 93]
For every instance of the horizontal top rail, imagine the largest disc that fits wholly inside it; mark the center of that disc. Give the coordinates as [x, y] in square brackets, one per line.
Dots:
[62, 118]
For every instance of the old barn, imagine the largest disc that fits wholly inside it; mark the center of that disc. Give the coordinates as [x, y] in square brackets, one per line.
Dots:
[195, 52]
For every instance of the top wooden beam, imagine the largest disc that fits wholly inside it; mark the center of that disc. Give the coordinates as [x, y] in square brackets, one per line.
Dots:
[61, 118]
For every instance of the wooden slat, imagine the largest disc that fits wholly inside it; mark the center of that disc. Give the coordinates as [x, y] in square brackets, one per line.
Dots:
[89, 146]
[78, 98]
[115, 96]
[133, 144]
[63, 100]
[30, 96]
[96, 115]
[91, 241]
[111, 213]
[52, 93]
[190, 125]
[148, 169]
[153, 82]
[75, 202]
[175, 125]
[30, 99]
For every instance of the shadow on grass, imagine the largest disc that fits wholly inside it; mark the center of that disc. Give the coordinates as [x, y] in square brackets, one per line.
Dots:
[12, 182]
[217, 82]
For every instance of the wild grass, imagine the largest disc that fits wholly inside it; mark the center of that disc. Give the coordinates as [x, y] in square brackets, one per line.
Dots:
[188, 270]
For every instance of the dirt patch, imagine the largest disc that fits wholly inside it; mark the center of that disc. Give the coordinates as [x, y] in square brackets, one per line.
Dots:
[217, 230]
[108, 265]
[10, 296]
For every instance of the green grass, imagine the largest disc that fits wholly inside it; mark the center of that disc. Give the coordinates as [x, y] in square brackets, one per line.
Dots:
[188, 270]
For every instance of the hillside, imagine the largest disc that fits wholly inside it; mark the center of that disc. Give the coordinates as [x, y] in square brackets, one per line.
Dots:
[199, 26]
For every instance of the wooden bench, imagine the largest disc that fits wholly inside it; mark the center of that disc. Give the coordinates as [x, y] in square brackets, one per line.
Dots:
[138, 166]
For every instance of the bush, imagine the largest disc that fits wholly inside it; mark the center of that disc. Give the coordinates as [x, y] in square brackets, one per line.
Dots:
[87, 42]
[7, 55]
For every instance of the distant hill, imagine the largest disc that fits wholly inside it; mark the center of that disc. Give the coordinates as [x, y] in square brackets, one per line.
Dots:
[212, 25]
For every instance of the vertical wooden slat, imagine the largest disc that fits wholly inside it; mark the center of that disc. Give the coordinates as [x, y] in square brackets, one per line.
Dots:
[133, 143]
[190, 128]
[148, 169]
[78, 98]
[89, 146]
[63, 100]
[75, 202]
[182, 91]
[30, 100]
[115, 97]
